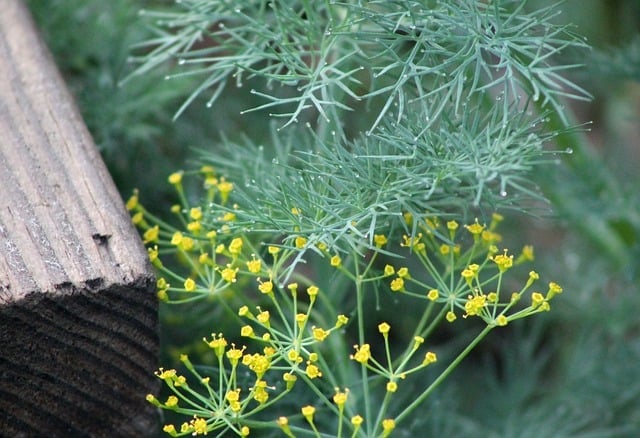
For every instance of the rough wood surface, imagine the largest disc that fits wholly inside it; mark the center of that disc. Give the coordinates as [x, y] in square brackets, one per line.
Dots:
[78, 315]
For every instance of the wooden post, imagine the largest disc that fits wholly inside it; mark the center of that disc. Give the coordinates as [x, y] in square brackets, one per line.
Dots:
[78, 313]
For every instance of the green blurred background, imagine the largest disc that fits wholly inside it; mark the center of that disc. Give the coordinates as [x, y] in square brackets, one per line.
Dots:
[572, 372]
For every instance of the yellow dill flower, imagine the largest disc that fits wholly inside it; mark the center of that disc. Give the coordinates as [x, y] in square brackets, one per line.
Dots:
[195, 213]
[475, 304]
[296, 211]
[228, 274]
[468, 274]
[162, 295]
[312, 371]
[233, 396]
[336, 261]
[153, 253]
[247, 331]
[403, 272]
[445, 249]
[176, 239]
[204, 259]
[266, 287]
[312, 291]
[301, 319]
[451, 316]
[244, 430]
[379, 240]
[319, 334]
[137, 218]
[341, 320]
[235, 247]
[357, 421]
[175, 178]
[307, 413]
[387, 426]
[527, 253]
[195, 227]
[189, 285]
[225, 188]
[207, 169]
[392, 387]
[186, 244]
[554, 289]
[294, 356]
[501, 320]
[217, 343]
[199, 426]
[254, 266]
[429, 358]
[151, 235]
[229, 217]
[283, 423]
[491, 237]
[503, 261]
[273, 250]
[259, 364]
[475, 228]
[170, 429]
[234, 354]
[411, 242]
[261, 396]
[397, 284]
[362, 354]
[492, 297]
[389, 270]
[162, 283]
[433, 294]
[263, 317]
[300, 242]
[537, 299]
[384, 328]
[210, 182]
[172, 401]
[132, 202]
[164, 375]
[340, 398]
[290, 379]
[452, 225]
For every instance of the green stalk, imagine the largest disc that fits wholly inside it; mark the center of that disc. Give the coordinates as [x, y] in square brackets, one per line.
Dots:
[444, 374]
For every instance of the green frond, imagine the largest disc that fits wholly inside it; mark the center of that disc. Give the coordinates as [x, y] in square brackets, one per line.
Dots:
[309, 55]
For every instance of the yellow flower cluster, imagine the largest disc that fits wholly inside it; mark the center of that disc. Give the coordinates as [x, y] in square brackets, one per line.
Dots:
[451, 269]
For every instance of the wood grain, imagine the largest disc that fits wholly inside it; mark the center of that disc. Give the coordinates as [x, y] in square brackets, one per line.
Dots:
[78, 314]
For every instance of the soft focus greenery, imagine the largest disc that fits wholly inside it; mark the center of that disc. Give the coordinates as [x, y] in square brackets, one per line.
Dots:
[571, 372]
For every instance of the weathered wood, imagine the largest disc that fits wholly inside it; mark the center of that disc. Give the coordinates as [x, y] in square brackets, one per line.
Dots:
[78, 315]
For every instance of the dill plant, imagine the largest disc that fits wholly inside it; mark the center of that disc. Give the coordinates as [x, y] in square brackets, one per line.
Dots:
[393, 124]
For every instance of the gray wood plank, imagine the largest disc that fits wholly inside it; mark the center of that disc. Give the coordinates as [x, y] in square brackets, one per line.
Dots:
[78, 313]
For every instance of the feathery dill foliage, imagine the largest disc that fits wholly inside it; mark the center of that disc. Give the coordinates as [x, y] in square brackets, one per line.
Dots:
[450, 94]
[392, 121]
